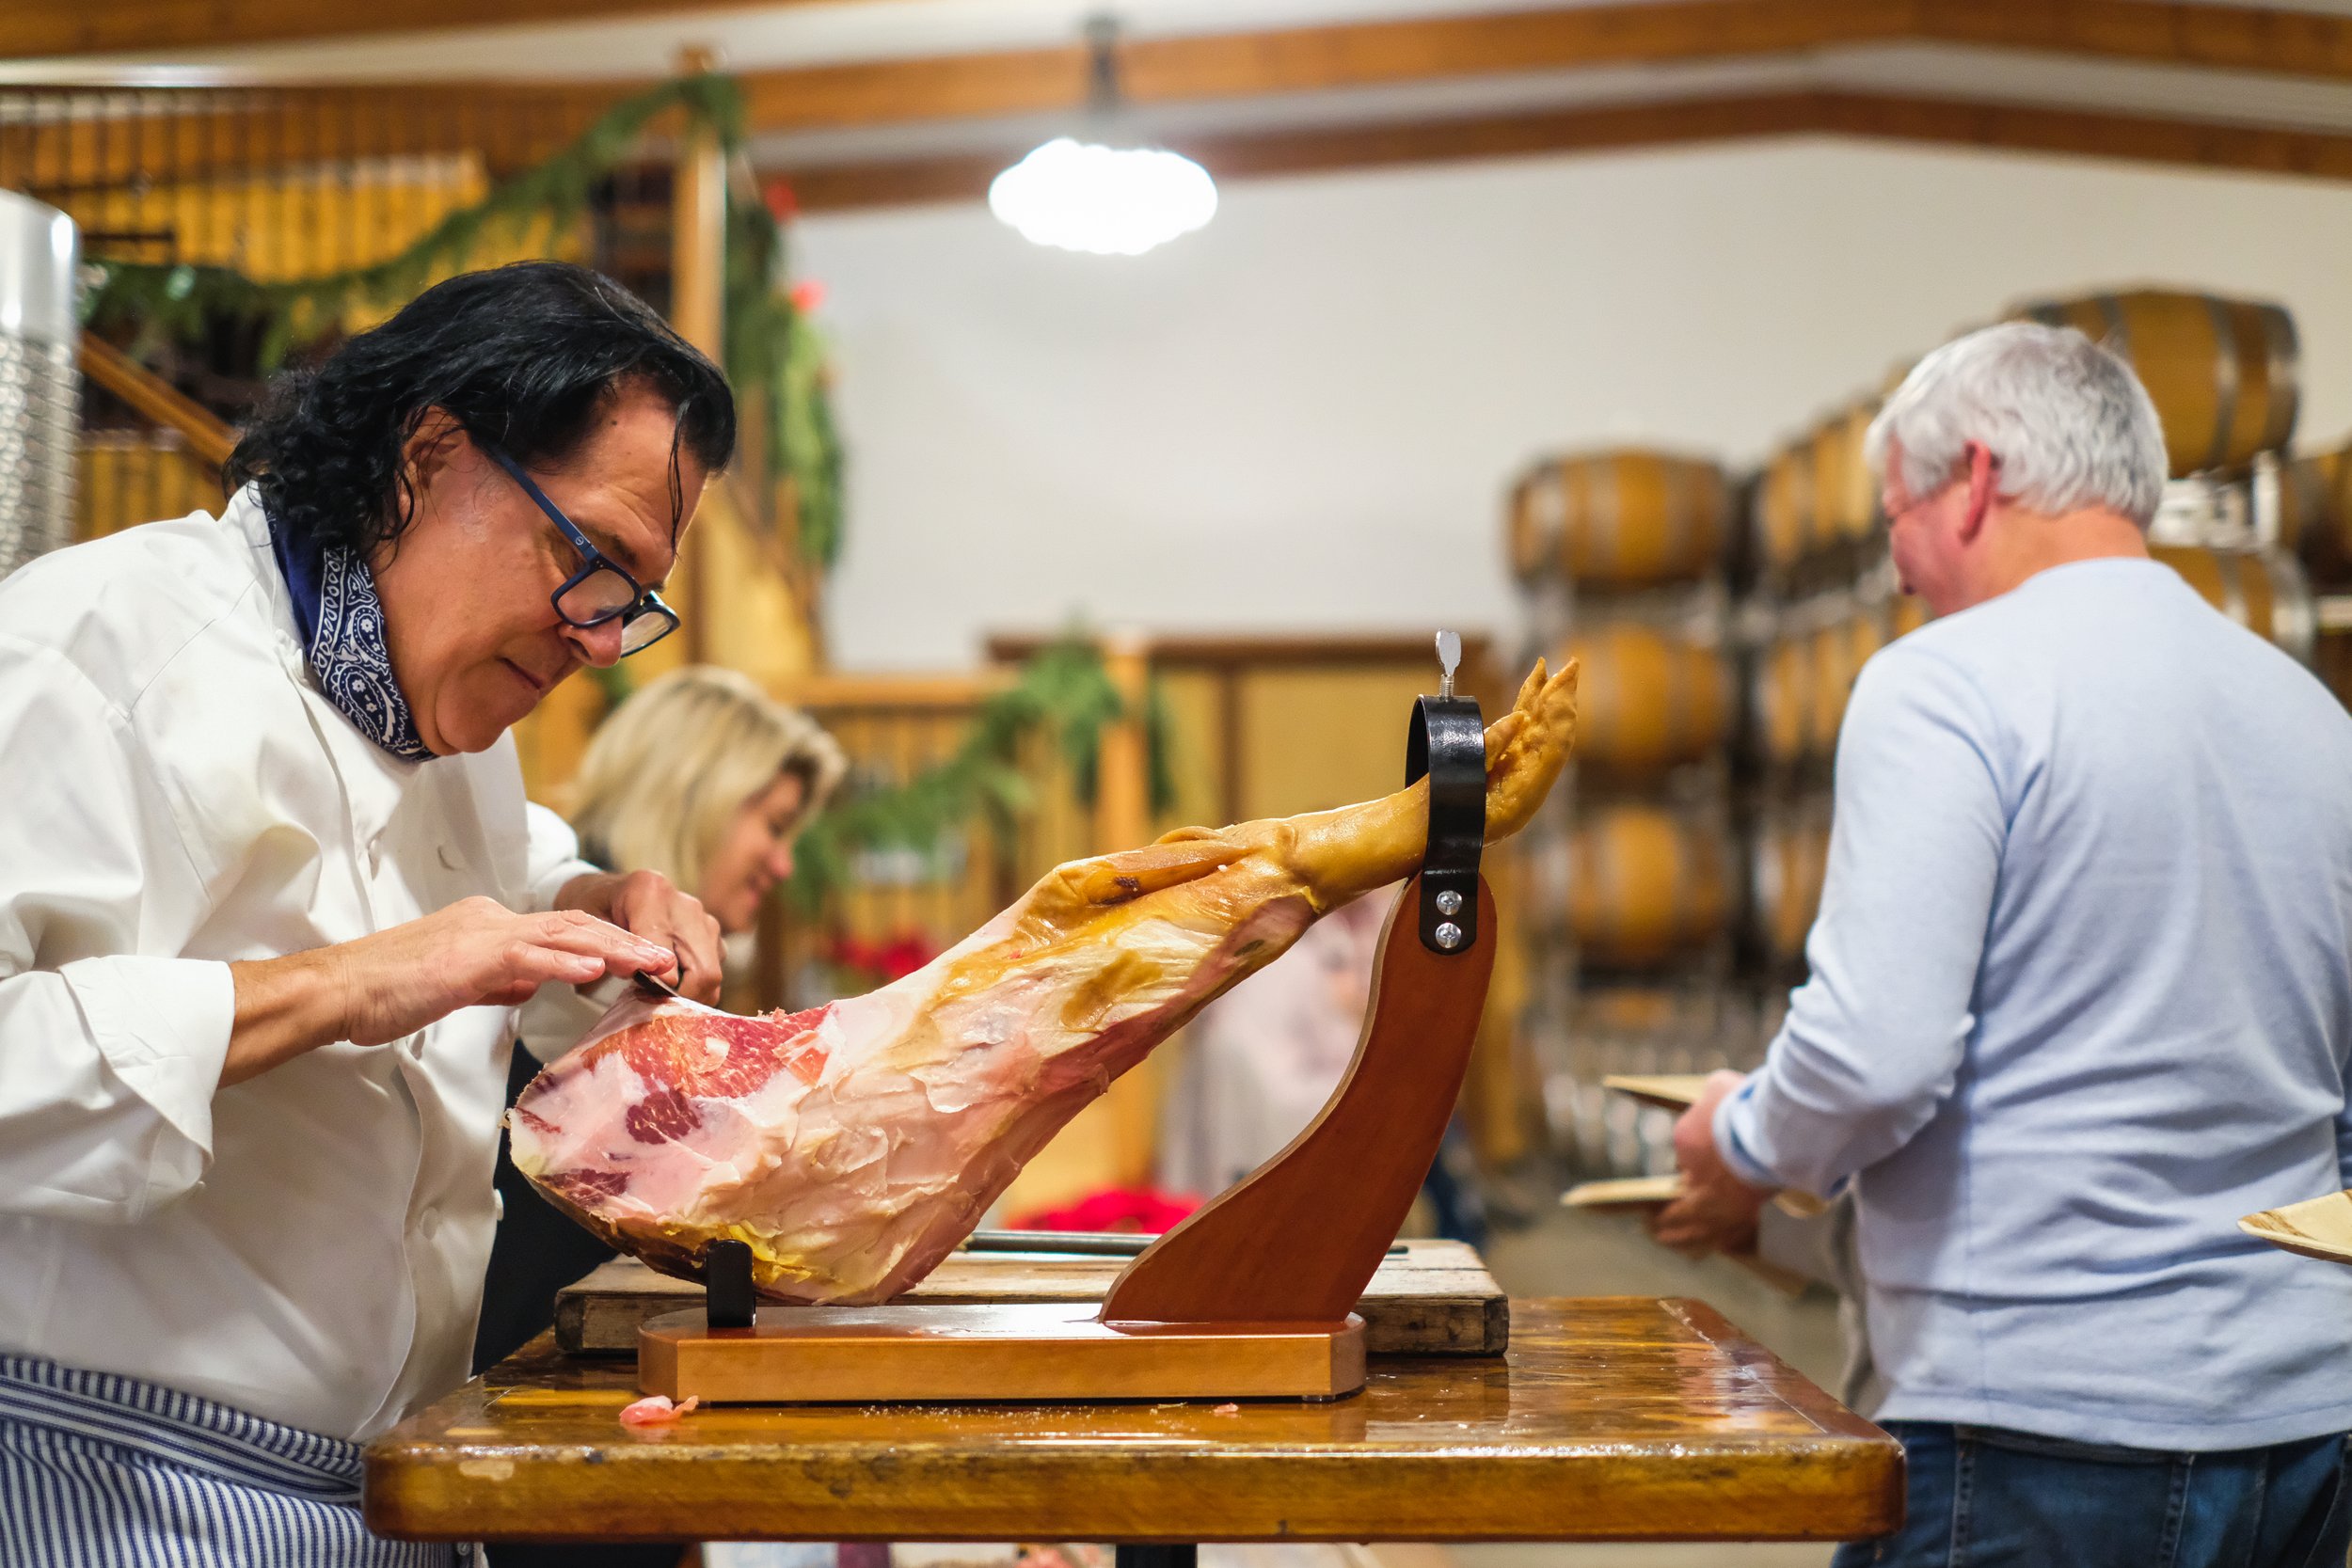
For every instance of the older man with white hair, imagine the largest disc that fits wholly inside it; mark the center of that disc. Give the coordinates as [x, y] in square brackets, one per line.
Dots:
[2081, 997]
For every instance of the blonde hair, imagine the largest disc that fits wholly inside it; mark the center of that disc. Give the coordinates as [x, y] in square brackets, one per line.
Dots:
[667, 773]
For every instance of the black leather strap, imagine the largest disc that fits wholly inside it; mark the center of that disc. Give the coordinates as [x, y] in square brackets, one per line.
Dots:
[1447, 742]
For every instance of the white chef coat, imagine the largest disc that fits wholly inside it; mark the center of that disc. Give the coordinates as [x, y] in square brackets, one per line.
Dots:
[176, 794]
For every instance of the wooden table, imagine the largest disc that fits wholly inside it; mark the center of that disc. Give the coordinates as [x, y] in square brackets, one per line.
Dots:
[1611, 1419]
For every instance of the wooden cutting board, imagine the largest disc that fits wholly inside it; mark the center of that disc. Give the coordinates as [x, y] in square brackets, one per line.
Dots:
[1436, 1299]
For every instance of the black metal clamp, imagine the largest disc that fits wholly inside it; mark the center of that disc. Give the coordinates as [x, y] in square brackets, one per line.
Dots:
[1448, 743]
[727, 1277]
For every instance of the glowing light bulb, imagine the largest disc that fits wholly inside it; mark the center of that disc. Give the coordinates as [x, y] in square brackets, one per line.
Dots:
[1105, 201]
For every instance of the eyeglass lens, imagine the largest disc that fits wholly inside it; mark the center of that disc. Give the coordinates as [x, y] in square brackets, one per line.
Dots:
[596, 598]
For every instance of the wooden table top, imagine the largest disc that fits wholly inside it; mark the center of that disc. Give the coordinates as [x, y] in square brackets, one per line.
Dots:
[1612, 1417]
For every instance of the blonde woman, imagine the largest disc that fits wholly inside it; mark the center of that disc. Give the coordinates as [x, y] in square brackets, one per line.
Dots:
[707, 779]
[704, 778]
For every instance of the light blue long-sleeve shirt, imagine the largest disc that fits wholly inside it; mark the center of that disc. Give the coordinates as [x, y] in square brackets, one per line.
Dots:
[2081, 997]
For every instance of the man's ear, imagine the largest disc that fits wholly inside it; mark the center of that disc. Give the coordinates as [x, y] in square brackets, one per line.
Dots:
[435, 440]
[1981, 492]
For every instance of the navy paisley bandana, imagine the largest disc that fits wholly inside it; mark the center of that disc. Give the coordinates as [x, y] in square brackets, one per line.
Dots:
[343, 633]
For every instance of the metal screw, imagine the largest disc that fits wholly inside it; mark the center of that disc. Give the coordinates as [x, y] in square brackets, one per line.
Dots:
[1449, 935]
[1448, 902]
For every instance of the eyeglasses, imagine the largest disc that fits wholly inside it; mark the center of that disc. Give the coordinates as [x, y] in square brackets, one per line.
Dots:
[600, 590]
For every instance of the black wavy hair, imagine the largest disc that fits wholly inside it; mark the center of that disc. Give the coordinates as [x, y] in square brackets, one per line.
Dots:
[523, 356]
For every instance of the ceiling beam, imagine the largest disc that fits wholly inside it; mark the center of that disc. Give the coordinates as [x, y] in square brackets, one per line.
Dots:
[1647, 32]
[2180, 32]
[964, 177]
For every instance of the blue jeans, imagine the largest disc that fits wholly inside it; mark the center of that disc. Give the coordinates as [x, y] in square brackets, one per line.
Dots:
[1983, 1498]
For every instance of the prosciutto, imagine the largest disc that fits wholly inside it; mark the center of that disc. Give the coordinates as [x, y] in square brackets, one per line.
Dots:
[854, 1146]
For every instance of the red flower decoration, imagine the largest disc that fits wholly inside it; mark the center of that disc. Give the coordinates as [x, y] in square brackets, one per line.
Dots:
[808, 296]
[1145, 1210]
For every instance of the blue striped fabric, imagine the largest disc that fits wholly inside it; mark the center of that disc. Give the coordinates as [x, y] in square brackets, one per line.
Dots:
[100, 1471]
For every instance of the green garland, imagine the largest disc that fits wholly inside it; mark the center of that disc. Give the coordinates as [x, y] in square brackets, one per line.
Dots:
[769, 344]
[1064, 691]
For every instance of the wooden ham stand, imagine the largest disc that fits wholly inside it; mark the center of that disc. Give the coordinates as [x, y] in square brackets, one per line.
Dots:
[1249, 1297]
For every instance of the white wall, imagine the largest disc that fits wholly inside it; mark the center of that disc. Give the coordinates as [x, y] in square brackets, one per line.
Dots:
[1302, 416]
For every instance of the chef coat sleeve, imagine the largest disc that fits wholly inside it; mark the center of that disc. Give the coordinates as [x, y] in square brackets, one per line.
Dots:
[557, 1015]
[1874, 1041]
[554, 858]
[111, 1046]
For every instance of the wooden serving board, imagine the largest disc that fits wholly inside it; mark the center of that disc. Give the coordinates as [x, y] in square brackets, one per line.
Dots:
[1668, 1091]
[1437, 1299]
[2317, 1227]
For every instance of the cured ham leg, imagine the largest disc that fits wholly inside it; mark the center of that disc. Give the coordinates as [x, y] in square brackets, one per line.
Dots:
[852, 1147]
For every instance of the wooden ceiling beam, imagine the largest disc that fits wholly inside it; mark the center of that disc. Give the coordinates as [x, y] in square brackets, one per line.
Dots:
[2189, 33]
[1313, 59]
[1947, 123]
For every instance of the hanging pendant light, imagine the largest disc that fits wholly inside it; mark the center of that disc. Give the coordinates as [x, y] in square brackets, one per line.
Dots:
[1100, 197]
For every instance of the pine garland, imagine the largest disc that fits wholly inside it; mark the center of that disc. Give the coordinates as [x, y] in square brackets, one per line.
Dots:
[1063, 690]
[771, 344]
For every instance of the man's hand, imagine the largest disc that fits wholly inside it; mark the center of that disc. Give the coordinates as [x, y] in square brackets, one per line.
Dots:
[646, 904]
[1717, 1211]
[377, 988]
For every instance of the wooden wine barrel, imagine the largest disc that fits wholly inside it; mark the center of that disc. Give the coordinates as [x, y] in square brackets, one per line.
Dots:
[1623, 520]
[2315, 515]
[1845, 499]
[1647, 700]
[1644, 885]
[1856, 509]
[1798, 690]
[1532, 529]
[2264, 591]
[1780, 701]
[2222, 372]
[1784, 517]
[1839, 652]
[1790, 859]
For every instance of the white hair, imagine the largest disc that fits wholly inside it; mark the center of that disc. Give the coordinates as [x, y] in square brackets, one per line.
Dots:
[2068, 422]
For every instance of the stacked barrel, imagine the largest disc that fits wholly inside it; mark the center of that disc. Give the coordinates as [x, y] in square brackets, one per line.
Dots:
[1633, 870]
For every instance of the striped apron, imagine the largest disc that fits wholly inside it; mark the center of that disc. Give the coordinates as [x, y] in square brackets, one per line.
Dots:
[100, 1471]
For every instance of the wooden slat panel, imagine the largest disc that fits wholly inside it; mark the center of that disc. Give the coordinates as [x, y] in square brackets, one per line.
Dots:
[30, 28]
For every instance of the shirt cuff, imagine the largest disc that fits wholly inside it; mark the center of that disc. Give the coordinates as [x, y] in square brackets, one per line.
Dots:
[1735, 1118]
[164, 1027]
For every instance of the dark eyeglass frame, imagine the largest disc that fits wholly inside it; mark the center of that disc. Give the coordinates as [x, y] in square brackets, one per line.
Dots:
[643, 602]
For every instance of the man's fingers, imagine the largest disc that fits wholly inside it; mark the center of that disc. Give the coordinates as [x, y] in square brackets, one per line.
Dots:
[653, 908]
[573, 933]
[698, 946]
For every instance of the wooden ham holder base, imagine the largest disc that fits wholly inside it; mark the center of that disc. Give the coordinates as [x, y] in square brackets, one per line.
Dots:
[1249, 1297]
